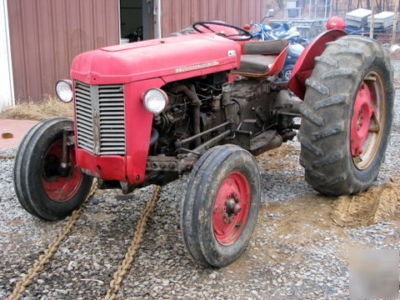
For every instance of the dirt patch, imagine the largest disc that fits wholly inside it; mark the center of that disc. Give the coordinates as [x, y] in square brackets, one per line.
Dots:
[295, 219]
[307, 221]
[49, 108]
[277, 159]
[302, 220]
[377, 204]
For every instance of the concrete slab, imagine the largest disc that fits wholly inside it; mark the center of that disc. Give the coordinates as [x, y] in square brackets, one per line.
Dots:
[12, 132]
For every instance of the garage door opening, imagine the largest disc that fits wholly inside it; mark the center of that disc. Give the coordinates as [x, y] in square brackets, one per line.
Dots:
[136, 20]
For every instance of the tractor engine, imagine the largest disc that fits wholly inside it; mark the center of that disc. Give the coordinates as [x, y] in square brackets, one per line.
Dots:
[194, 106]
[205, 108]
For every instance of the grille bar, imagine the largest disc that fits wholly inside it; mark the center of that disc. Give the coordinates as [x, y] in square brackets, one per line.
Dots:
[100, 118]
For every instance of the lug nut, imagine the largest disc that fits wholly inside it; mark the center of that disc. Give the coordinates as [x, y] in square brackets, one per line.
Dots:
[237, 209]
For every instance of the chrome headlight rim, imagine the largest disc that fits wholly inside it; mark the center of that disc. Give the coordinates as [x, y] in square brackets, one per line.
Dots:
[64, 90]
[151, 106]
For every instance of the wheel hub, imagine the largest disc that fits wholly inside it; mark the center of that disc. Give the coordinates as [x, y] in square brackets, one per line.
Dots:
[231, 208]
[363, 113]
[60, 184]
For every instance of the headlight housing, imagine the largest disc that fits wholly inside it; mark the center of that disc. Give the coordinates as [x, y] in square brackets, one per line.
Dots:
[64, 90]
[155, 101]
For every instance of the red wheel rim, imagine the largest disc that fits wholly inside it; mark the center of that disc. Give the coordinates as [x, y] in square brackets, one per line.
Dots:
[57, 187]
[231, 208]
[367, 120]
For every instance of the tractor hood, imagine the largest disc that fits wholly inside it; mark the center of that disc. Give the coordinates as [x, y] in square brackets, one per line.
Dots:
[172, 58]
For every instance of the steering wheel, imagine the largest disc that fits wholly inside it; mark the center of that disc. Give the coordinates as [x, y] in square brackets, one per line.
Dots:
[214, 26]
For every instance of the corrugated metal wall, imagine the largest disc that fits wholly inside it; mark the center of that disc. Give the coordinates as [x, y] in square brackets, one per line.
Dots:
[177, 14]
[47, 34]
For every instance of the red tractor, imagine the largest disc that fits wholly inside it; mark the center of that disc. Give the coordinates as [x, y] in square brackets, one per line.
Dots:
[204, 104]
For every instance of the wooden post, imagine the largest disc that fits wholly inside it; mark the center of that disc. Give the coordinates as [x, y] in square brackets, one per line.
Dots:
[371, 26]
[395, 22]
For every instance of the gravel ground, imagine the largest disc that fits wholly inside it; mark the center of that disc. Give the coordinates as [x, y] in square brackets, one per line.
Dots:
[296, 252]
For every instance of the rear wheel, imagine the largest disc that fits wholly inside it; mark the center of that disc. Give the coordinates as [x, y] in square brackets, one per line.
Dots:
[221, 205]
[347, 116]
[43, 187]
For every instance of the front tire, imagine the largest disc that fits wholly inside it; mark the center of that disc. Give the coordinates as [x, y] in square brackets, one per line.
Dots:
[220, 209]
[347, 116]
[40, 186]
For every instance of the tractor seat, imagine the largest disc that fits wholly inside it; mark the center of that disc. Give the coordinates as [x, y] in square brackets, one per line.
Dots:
[258, 57]
[265, 47]
[255, 64]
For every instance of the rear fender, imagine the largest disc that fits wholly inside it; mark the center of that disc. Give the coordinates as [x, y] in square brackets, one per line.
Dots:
[305, 64]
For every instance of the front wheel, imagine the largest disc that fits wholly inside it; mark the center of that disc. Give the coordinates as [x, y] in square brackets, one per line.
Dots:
[220, 209]
[43, 186]
[347, 116]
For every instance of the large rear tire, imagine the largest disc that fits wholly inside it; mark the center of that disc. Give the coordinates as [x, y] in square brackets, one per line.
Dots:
[220, 209]
[41, 186]
[347, 116]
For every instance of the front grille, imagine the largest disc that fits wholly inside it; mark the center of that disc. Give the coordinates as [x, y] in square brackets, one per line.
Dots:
[112, 120]
[100, 118]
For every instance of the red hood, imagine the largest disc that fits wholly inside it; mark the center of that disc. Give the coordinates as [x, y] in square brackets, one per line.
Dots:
[172, 58]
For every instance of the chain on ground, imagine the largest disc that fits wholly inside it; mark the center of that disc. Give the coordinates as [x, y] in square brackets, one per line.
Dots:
[123, 268]
[126, 264]
[49, 252]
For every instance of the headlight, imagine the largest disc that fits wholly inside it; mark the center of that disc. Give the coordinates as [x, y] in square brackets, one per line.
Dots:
[155, 101]
[64, 90]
